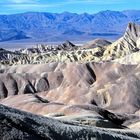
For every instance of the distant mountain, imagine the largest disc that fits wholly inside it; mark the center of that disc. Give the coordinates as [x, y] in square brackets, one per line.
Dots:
[35, 26]
[12, 34]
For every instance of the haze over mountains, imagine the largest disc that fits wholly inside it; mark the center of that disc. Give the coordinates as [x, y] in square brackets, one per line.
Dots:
[34, 26]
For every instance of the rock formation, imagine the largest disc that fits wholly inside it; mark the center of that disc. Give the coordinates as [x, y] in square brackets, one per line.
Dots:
[40, 48]
[7, 55]
[126, 45]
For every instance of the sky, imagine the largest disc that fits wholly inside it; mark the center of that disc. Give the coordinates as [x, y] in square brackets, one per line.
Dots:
[59, 6]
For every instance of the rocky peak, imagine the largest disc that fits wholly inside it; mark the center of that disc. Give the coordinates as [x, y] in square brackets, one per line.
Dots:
[132, 31]
[67, 45]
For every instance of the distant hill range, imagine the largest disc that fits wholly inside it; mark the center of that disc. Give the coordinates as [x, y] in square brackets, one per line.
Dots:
[35, 26]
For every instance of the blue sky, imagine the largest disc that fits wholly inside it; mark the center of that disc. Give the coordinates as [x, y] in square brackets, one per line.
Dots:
[58, 6]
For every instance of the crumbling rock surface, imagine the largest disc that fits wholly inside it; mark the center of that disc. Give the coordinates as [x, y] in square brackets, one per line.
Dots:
[20, 125]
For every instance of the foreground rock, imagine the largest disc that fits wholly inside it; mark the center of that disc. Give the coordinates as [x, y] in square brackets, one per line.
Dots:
[20, 125]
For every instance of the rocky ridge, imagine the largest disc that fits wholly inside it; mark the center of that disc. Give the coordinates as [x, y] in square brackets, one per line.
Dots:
[126, 45]
[67, 45]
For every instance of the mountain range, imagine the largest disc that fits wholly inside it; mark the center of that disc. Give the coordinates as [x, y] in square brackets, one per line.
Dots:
[35, 26]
